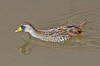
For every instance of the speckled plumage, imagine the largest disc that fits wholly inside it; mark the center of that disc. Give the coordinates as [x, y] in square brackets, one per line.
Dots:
[58, 34]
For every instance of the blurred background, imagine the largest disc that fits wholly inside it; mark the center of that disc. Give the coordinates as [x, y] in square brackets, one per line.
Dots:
[17, 50]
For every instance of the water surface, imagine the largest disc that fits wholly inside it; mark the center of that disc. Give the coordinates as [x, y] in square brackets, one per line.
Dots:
[45, 14]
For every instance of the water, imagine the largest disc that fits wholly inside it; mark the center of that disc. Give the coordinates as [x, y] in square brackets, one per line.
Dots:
[17, 50]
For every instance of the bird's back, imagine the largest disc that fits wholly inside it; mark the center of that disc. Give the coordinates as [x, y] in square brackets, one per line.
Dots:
[58, 34]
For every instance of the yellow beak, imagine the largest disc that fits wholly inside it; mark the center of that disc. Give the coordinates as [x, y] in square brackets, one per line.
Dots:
[19, 29]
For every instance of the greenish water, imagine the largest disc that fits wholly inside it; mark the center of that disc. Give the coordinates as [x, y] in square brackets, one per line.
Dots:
[17, 50]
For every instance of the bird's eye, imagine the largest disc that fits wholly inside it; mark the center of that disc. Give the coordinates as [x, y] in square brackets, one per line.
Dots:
[23, 27]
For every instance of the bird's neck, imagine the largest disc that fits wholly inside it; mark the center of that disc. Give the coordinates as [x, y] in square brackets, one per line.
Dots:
[34, 33]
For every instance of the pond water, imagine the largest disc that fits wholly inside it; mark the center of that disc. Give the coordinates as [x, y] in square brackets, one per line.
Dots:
[17, 50]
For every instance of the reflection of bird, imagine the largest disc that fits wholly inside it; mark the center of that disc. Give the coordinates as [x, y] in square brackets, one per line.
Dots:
[58, 34]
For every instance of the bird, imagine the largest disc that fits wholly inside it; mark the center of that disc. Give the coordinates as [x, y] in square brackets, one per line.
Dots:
[57, 34]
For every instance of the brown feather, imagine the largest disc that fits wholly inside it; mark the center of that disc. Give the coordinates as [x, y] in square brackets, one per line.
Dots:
[28, 23]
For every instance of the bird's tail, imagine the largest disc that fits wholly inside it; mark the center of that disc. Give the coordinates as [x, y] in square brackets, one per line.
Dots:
[83, 23]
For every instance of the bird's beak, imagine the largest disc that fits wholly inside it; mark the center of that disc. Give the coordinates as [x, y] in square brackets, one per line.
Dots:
[19, 29]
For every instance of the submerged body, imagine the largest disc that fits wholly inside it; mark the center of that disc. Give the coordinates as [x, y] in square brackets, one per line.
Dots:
[58, 34]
